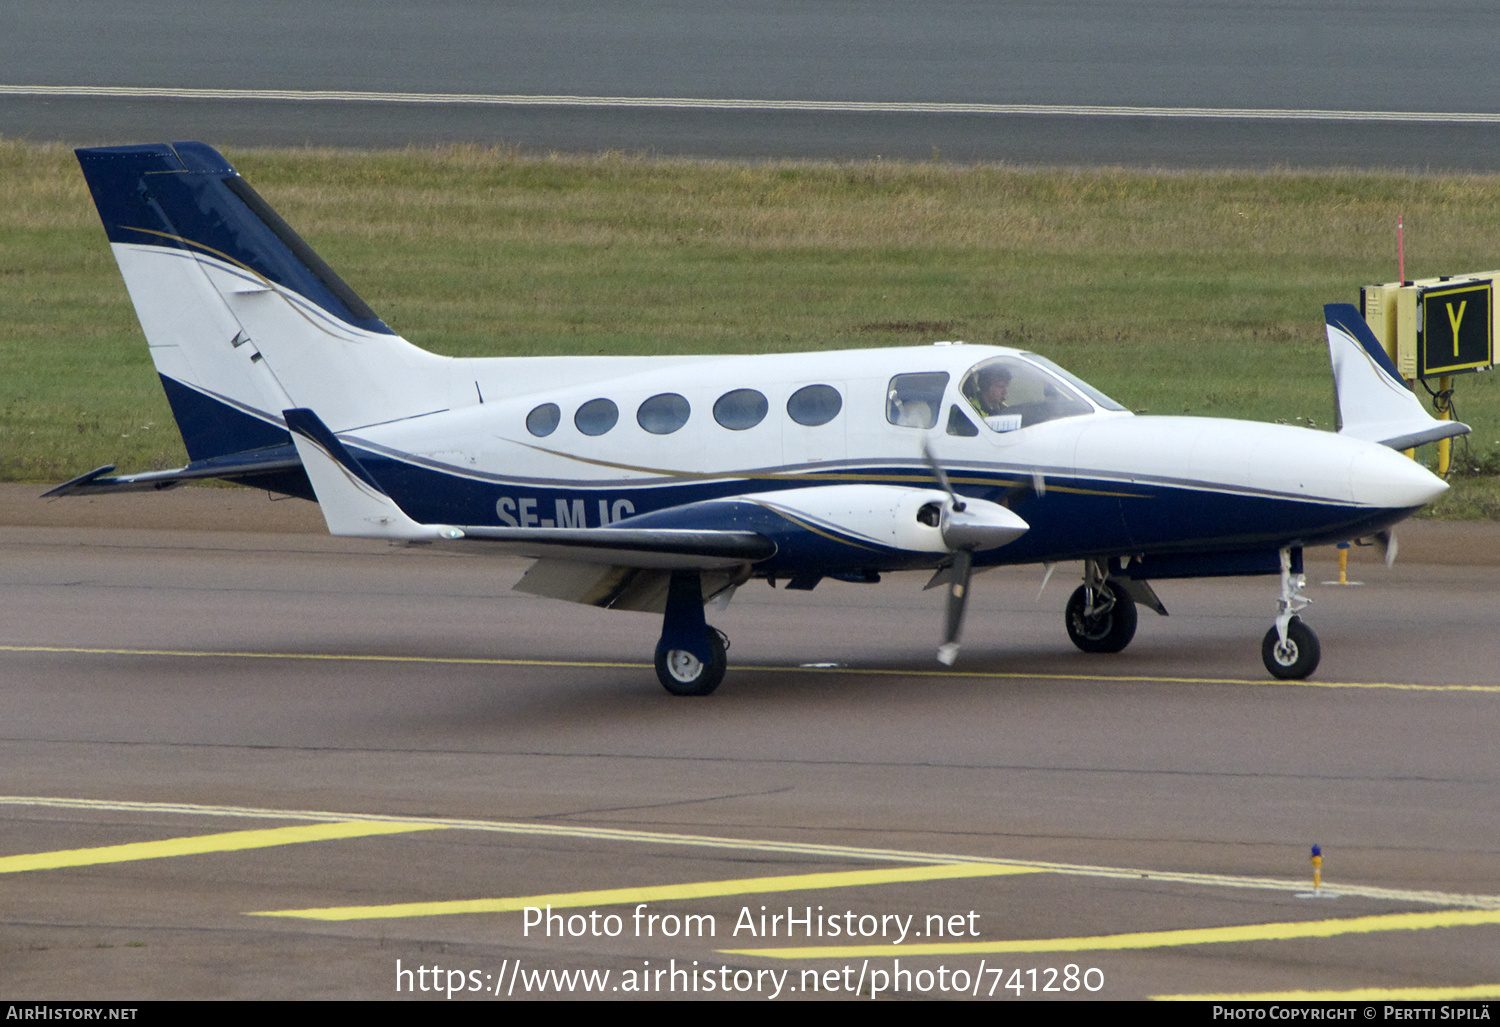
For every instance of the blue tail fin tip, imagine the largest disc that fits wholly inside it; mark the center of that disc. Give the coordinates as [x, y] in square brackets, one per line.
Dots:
[1347, 319]
[187, 196]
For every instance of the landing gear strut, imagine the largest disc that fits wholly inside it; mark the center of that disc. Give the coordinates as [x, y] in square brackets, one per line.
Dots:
[1290, 649]
[690, 656]
[1101, 616]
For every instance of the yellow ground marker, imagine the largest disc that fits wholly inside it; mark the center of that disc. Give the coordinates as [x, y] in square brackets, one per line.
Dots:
[658, 893]
[1150, 939]
[991, 675]
[1456, 994]
[229, 841]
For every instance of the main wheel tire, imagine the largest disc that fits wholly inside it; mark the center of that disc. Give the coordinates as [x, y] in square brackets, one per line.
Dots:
[1295, 660]
[1107, 632]
[682, 673]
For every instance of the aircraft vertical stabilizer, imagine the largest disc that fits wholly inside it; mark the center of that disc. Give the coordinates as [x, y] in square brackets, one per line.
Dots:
[243, 318]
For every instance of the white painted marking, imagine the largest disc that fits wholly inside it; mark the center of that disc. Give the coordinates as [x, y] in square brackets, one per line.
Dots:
[1487, 902]
[729, 104]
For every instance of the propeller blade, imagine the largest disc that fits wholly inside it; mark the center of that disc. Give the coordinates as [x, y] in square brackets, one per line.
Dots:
[977, 525]
[1034, 484]
[942, 477]
[958, 600]
[1050, 567]
[1386, 540]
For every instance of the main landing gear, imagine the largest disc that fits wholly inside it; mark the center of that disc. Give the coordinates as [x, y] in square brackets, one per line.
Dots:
[1101, 615]
[690, 656]
[1290, 649]
[683, 673]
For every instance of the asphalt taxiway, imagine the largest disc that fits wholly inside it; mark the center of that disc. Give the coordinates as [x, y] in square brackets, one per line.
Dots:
[1070, 57]
[272, 764]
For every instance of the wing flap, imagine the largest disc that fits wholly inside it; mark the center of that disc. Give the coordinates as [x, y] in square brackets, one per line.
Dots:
[616, 587]
[610, 587]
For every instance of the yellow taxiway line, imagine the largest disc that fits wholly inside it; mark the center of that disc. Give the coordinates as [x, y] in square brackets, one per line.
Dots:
[336, 657]
[853, 671]
[1287, 931]
[195, 845]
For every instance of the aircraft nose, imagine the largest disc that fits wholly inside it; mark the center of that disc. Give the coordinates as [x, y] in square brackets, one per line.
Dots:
[1387, 478]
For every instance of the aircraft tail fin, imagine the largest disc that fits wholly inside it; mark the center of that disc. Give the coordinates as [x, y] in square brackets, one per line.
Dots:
[1374, 403]
[352, 501]
[243, 319]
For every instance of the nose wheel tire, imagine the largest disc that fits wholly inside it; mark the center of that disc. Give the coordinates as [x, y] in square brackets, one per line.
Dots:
[682, 673]
[1106, 632]
[1297, 658]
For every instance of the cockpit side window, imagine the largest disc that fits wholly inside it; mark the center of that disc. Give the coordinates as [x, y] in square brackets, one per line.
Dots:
[913, 400]
[1008, 393]
[960, 425]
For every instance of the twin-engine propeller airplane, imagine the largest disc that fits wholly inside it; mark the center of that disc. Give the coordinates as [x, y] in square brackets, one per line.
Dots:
[664, 483]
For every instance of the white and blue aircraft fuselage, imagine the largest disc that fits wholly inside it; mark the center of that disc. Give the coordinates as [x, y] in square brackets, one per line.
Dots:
[663, 483]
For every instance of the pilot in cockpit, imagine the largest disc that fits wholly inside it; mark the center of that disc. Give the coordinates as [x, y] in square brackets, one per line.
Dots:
[991, 385]
[1009, 393]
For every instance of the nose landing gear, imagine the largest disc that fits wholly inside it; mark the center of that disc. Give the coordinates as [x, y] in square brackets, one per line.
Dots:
[1293, 658]
[1290, 649]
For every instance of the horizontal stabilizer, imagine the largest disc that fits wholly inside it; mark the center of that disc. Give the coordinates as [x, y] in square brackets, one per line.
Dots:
[1374, 403]
[242, 467]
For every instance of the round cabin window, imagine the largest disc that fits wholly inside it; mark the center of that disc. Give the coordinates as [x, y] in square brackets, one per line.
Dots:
[813, 405]
[597, 416]
[664, 414]
[741, 409]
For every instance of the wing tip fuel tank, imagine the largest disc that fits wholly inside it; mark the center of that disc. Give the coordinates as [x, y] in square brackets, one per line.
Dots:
[1374, 402]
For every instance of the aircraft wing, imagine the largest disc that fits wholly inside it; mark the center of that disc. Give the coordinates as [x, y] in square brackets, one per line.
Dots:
[1375, 404]
[667, 548]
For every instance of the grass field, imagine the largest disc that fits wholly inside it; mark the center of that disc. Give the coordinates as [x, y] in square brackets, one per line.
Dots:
[1175, 293]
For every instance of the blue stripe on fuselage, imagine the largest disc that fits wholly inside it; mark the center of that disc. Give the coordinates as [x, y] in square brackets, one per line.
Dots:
[1076, 517]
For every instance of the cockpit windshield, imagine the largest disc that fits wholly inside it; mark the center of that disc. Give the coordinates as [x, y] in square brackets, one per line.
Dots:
[1010, 393]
